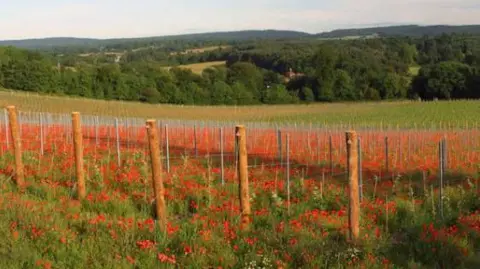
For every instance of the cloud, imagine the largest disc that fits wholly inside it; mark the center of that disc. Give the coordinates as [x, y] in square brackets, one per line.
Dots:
[410, 11]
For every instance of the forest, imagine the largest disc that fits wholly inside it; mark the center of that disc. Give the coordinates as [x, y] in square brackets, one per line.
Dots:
[274, 70]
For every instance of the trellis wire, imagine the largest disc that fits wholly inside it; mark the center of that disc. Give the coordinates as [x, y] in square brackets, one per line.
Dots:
[167, 150]
[117, 137]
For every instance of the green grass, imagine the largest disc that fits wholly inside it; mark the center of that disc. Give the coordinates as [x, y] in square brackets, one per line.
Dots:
[198, 68]
[406, 114]
[44, 225]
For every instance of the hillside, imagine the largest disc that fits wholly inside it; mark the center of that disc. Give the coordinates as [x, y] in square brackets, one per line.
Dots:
[237, 36]
[403, 30]
[215, 36]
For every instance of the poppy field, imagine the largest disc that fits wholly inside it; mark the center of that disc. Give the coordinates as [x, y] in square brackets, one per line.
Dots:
[419, 207]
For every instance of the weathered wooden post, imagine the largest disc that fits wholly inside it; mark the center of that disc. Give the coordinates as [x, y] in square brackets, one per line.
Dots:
[17, 146]
[288, 172]
[7, 136]
[78, 147]
[441, 166]
[157, 180]
[354, 199]
[360, 175]
[243, 177]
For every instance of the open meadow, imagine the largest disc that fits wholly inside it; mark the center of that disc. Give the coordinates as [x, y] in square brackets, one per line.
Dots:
[198, 68]
[418, 178]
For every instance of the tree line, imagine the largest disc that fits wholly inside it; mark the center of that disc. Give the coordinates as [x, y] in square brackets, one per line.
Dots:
[444, 67]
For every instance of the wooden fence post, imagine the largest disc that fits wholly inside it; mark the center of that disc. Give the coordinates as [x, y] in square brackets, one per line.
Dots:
[243, 177]
[17, 146]
[354, 199]
[78, 147]
[158, 189]
[287, 153]
[7, 136]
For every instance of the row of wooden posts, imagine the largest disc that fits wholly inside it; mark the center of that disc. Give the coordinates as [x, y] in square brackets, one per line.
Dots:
[157, 173]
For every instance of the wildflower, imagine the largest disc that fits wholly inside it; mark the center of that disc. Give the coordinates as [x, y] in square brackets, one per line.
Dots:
[146, 244]
[44, 264]
[251, 241]
[187, 249]
[166, 259]
[130, 259]
[63, 240]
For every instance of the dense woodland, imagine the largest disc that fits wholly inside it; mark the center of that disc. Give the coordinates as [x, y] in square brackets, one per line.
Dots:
[442, 66]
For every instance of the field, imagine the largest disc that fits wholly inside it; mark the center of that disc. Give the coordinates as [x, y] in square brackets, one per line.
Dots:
[441, 115]
[198, 68]
[201, 50]
[412, 214]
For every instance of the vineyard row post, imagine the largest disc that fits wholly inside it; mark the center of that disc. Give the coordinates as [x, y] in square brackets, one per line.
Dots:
[78, 148]
[17, 145]
[354, 199]
[157, 177]
[287, 153]
[442, 165]
[7, 136]
[241, 141]
[360, 176]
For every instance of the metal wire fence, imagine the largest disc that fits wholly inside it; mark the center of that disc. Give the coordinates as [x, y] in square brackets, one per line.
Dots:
[314, 150]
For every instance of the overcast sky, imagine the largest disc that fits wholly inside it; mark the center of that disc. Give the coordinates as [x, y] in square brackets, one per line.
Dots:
[21, 19]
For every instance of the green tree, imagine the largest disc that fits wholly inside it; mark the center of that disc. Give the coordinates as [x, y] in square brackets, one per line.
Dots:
[445, 80]
[344, 86]
[307, 95]
[325, 60]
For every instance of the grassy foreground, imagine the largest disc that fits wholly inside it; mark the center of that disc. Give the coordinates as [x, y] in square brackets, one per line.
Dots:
[444, 114]
[44, 226]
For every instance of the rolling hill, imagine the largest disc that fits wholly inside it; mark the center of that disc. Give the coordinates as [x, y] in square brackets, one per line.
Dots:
[399, 30]
[215, 36]
[402, 30]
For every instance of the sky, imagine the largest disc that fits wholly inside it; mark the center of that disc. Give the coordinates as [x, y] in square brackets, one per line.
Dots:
[20, 19]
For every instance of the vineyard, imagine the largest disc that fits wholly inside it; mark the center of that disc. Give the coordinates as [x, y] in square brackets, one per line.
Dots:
[418, 193]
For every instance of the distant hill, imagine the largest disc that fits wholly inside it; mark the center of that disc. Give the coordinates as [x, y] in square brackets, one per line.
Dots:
[50, 42]
[90, 43]
[215, 36]
[402, 30]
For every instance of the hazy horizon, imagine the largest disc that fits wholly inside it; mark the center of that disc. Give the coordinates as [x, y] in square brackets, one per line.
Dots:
[27, 19]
